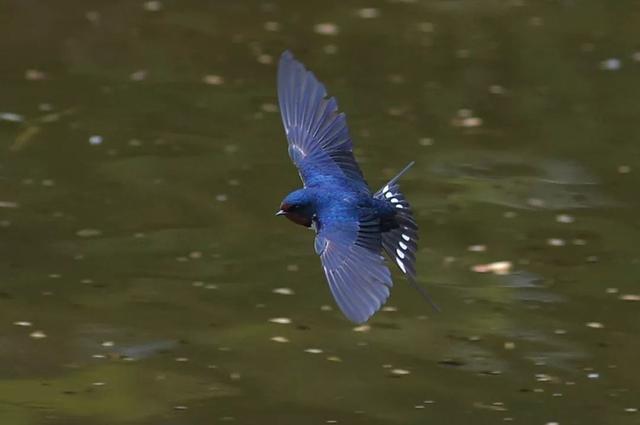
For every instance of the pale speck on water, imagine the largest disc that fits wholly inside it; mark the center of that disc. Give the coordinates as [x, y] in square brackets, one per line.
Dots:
[283, 291]
[213, 80]
[362, 328]
[272, 26]
[368, 13]
[280, 320]
[38, 335]
[556, 242]
[400, 372]
[565, 218]
[88, 233]
[326, 28]
[95, 140]
[152, 5]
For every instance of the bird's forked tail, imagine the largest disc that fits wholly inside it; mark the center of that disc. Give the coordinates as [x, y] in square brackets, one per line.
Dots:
[401, 242]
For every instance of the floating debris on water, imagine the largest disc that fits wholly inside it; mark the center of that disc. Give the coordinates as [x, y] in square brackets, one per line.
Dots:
[87, 233]
[221, 197]
[34, 75]
[362, 328]
[624, 169]
[152, 6]
[334, 359]
[280, 320]
[271, 26]
[630, 297]
[400, 372]
[139, 75]
[265, 59]
[565, 218]
[611, 64]
[313, 351]
[95, 140]
[293, 268]
[213, 80]
[195, 255]
[594, 325]
[23, 323]
[390, 308]
[8, 204]
[497, 89]
[11, 117]
[283, 291]
[466, 119]
[498, 267]
[269, 107]
[368, 13]
[280, 339]
[326, 307]
[556, 242]
[477, 248]
[38, 335]
[326, 28]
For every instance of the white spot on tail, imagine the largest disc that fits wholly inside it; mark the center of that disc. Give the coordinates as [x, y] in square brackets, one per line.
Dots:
[405, 237]
[402, 245]
[385, 189]
[400, 254]
[394, 201]
[401, 265]
[399, 206]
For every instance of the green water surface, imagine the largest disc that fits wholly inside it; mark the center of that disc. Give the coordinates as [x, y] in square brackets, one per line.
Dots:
[145, 280]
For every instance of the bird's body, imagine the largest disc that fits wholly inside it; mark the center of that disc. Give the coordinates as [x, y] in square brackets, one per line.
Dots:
[353, 225]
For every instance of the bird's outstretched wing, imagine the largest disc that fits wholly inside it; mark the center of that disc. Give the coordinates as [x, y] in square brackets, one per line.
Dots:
[355, 269]
[319, 141]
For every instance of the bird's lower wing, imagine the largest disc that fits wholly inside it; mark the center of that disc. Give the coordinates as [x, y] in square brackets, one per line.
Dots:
[355, 269]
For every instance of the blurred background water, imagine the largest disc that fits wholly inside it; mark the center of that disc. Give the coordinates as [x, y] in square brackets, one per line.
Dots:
[144, 279]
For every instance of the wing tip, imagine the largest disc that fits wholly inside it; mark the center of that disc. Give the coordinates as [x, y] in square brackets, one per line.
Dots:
[287, 55]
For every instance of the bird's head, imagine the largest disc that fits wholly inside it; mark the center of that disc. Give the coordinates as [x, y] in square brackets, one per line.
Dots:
[298, 207]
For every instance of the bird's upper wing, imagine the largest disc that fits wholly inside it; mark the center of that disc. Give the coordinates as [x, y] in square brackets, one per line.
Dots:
[319, 141]
[355, 269]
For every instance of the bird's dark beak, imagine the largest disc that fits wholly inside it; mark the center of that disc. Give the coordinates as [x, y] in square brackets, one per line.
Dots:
[281, 212]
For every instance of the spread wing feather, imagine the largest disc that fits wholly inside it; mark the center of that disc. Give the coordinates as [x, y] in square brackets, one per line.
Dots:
[319, 141]
[355, 269]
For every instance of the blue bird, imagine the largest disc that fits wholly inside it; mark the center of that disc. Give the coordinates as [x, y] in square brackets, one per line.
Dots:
[353, 226]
